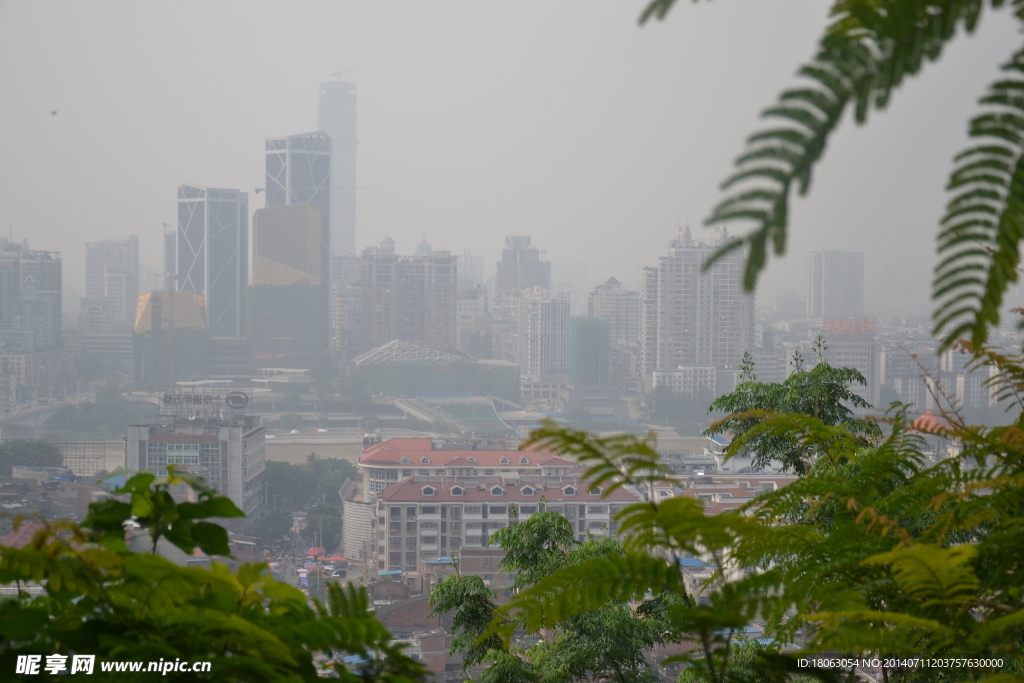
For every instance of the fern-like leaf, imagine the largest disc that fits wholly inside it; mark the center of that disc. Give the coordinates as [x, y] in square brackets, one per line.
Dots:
[984, 221]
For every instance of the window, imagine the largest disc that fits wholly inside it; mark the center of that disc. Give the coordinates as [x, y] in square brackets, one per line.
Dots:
[429, 510]
[396, 528]
[597, 510]
[428, 525]
[457, 490]
[488, 471]
[503, 461]
[410, 558]
[424, 473]
[488, 561]
[456, 542]
[472, 509]
[456, 512]
[428, 490]
[569, 491]
[498, 509]
[410, 511]
[396, 512]
[524, 460]
[596, 491]
[410, 541]
[410, 527]
[391, 475]
[497, 491]
[424, 460]
[527, 491]
[456, 527]
[528, 509]
[406, 474]
[472, 459]
[406, 460]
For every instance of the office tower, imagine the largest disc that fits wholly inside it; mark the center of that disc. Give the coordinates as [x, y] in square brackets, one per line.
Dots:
[835, 284]
[30, 296]
[211, 254]
[288, 298]
[620, 308]
[112, 276]
[299, 172]
[692, 318]
[522, 266]
[337, 118]
[544, 333]
[408, 298]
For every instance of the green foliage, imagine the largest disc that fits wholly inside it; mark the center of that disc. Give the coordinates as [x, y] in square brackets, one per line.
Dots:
[688, 413]
[874, 551]
[296, 486]
[822, 393]
[323, 525]
[471, 602]
[28, 452]
[868, 50]
[99, 598]
[272, 525]
[603, 639]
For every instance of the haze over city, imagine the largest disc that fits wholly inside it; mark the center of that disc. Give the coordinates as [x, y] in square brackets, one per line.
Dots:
[567, 122]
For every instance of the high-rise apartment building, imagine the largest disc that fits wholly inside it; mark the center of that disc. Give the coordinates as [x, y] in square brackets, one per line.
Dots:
[620, 308]
[299, 172]
[30, 295]
[692, 318]
[211, 255]
[522, 266]
[408, 298]
[337, 118]
[112, 276]
[543, 333]
[835, 284]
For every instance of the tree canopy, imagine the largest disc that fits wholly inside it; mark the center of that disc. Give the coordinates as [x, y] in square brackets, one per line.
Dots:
[100, 598]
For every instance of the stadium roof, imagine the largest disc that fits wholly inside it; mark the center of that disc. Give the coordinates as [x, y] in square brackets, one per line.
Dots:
[398, 352]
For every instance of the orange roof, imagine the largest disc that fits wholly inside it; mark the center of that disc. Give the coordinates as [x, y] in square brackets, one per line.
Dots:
[22, 537]
[929, 423]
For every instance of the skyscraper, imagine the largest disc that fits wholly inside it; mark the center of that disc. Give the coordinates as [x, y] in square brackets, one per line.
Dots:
[337, 118]
[212, 249]
[835, 284]
[522, 266]
[299, 172]
[288, 299]
[408, 298]
[698, 318]
[620, 307]
[30, 296]
[112, 276]
[544, 333]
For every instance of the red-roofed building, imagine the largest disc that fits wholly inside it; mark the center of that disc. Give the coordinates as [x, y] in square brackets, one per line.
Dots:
[395, 460]
[438, 516]
[22, 536]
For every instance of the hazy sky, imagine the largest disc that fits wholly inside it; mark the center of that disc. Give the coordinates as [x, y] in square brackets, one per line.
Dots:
[564, 120]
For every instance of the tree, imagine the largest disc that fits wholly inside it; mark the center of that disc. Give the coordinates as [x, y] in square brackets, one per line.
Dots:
[867, 52]
[102, 599]
[29, 453]
[822, 392]
[875, 551]
[272, 525]
[603, 643]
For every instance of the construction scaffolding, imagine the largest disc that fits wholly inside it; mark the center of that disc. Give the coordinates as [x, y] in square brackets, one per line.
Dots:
[86, 458]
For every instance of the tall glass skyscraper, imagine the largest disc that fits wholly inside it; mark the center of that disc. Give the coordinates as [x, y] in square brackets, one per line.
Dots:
[337, 117]
[212, 246]
[299, 172]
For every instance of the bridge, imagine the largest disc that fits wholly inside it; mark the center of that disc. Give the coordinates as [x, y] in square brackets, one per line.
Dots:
[23, 422]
